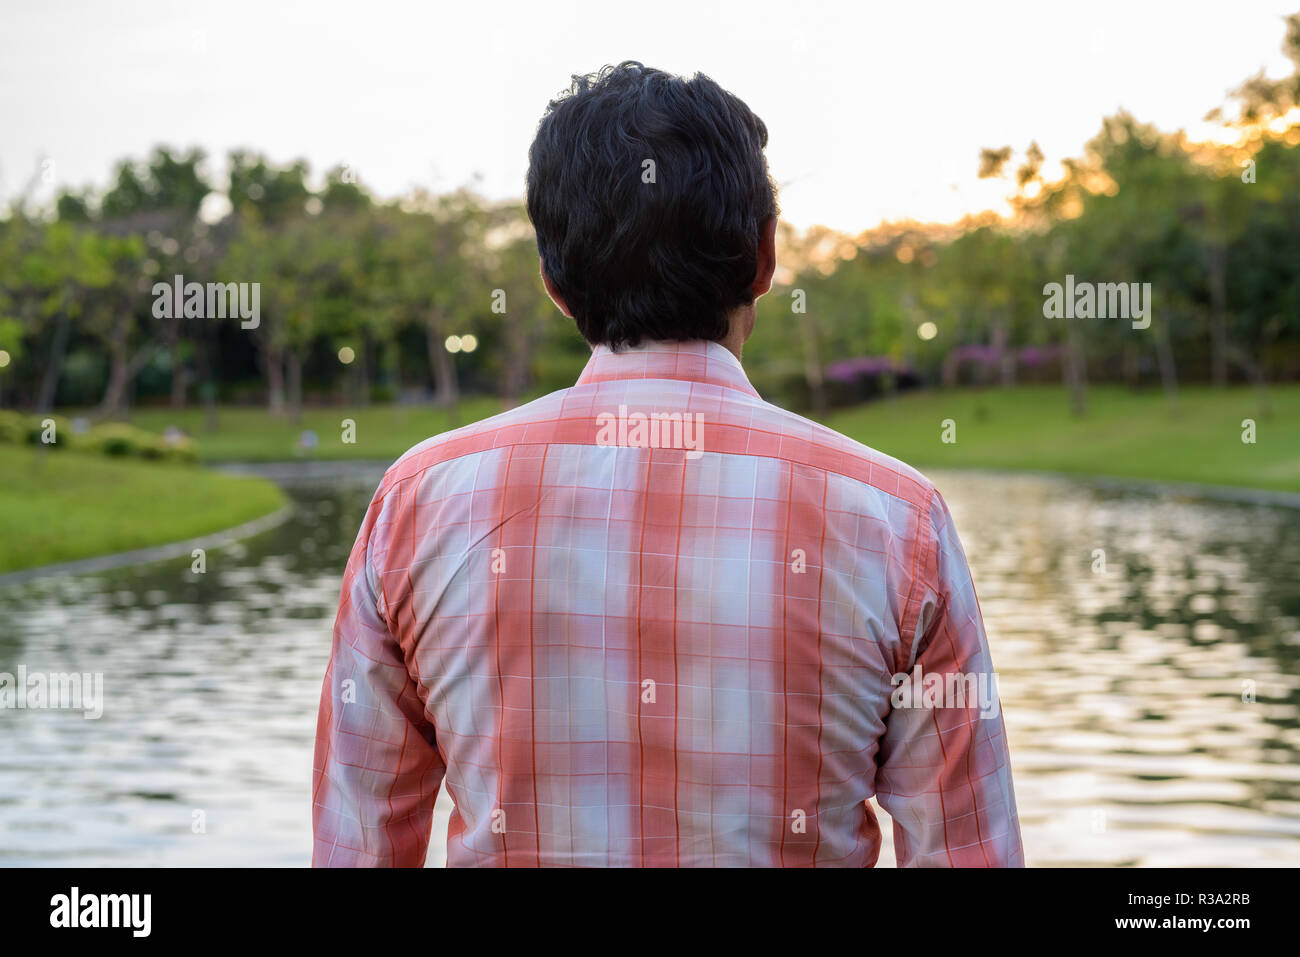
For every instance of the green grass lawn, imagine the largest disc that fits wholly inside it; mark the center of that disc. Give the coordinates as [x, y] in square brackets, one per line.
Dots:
[63, 505]
[1124, 435]
[251, 434]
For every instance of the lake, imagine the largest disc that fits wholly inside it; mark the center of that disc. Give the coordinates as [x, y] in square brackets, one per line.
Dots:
[1146, 647]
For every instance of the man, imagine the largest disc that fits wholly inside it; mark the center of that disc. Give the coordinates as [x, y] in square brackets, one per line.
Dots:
[652, 619]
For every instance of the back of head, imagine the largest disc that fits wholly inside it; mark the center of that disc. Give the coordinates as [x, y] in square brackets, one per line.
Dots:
[648, 192]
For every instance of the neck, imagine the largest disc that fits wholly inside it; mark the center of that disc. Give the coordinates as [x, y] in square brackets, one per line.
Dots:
[738, 330]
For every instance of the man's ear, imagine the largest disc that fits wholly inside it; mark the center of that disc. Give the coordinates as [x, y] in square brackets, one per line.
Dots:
[550, 289]
[766, 257]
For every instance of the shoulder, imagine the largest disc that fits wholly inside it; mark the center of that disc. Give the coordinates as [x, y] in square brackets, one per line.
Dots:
[505, 428]
[824, 448]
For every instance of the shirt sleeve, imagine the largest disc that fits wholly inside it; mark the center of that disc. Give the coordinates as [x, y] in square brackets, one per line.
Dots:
[944, 771]
[377, 769]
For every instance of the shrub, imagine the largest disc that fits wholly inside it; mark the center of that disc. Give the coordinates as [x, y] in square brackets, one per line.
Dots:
[182, 449]
[35, 430]
[116, 438]
[13, 427]
[108, 438]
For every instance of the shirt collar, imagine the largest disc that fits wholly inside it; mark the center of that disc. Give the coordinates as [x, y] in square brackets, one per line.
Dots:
[708, 363]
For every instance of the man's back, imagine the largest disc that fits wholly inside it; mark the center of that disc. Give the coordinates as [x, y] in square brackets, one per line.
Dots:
[654, 620]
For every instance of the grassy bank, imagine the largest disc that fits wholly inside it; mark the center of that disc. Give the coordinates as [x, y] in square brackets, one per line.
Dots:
[1124, 435]
[63, 505]
[245, 434]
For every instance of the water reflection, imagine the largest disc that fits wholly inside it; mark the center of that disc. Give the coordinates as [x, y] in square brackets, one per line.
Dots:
[1127, 629]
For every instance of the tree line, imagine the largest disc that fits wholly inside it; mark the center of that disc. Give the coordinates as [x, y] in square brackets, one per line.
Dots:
[368, 299]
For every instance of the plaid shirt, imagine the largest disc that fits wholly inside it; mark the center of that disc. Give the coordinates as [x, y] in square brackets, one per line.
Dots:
[654, 620]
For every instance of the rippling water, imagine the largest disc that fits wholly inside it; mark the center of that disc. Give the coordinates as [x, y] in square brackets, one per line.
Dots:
[1151, 693]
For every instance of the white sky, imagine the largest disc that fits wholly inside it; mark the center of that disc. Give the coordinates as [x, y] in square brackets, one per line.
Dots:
[875, 111]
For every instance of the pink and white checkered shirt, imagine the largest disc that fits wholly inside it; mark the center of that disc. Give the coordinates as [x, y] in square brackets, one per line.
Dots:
[621, 638]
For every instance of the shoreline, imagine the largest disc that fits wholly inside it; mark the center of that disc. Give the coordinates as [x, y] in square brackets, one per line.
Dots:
[150, 553]
[326, 469]
[1233, 494]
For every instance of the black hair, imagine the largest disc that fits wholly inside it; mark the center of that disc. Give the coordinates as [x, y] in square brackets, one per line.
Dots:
[648, 192]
